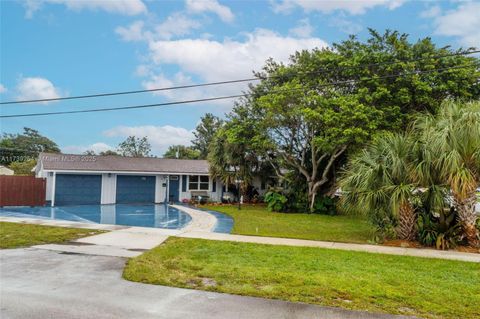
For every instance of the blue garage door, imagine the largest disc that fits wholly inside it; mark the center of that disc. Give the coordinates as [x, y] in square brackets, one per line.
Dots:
[135, 189]
[78, 189]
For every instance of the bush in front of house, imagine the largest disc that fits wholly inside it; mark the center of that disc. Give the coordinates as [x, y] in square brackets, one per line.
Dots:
[276, 201]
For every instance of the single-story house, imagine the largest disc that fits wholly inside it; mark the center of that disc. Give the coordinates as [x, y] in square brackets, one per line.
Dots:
[91, 179]
[5, 170]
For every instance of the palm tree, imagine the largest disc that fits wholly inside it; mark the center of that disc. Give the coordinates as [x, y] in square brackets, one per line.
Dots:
[380, 179]
[230, 162]
[453, 139]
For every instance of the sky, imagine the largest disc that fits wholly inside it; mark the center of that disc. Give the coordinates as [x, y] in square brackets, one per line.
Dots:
[61, 48]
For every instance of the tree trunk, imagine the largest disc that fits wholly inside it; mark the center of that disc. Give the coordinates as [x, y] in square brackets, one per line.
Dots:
[407, 222]
[467, 217]
[311, 196]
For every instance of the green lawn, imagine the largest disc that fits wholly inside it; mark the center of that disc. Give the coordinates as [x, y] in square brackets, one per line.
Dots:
[257, 220]
[14, 235]
[429, 288]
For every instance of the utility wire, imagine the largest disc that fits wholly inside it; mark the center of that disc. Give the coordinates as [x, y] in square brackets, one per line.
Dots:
[235, 81]
[228, 96]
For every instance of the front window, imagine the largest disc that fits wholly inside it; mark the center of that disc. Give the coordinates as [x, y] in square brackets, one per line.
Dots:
[196, 182]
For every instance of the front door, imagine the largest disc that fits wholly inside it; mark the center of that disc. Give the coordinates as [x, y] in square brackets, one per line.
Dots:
[173, 188]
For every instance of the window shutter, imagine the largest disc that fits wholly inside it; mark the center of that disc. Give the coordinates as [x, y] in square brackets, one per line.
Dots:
[214, 185]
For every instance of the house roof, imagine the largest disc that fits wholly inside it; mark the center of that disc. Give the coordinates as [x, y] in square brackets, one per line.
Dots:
[113, 163]
[6, 168]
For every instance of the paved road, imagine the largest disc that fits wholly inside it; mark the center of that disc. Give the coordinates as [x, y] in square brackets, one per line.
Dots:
[45, 284]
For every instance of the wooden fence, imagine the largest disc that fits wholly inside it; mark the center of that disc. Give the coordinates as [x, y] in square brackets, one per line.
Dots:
[22, 191]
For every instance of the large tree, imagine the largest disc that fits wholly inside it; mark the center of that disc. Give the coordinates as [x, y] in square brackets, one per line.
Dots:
[181, 152]
[369, 70]
[205, 132]
[25, 146]
[310, 133]
[305, 124]
[234, 154]
[134, 147]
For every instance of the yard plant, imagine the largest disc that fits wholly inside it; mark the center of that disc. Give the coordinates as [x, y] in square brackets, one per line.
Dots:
[453, 139]
[434, 169]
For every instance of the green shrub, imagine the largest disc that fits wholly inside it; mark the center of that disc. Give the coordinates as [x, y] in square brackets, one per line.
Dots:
[385, 226]
[276, 202]
[23, 168]
[325, 205]
[441, 231]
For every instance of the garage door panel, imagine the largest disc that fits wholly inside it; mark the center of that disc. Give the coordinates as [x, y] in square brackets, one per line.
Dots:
[135, 189]
[77, 189]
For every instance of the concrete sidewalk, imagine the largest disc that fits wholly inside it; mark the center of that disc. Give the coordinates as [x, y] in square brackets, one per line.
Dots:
[45, 284]
[379, 249]
[124, 241]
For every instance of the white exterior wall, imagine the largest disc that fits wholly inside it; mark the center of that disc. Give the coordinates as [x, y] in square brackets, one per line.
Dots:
[49, 190]
[257, 183]
[49, 183]
[160, 190]
[109, 189]
[217, 195]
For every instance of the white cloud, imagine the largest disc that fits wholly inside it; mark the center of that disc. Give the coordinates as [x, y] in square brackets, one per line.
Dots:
[218, 60]
[125, 7]
[199, 6]
[160, 81]
[345, 25]
[176, 24]
[155, 81]
[33, 88]
[224, 60]
[302, 30]
[160, 137]
[462, 22]
[79, 149]
[207, 60]
[431, 12]
[3, 89]
[142, 70]
[329, 6]
[134, 32]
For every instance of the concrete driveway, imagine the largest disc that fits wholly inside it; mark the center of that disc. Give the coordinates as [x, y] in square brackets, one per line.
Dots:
[39, 283]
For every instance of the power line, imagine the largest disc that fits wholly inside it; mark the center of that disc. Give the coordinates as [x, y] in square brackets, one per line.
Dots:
[130, 92]
[233, 81]
[226, 97]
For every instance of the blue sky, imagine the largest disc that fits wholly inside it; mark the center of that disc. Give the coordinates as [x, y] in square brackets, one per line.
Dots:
[55, 48]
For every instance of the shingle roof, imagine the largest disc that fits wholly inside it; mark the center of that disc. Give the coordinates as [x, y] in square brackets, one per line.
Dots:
[52, 161]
